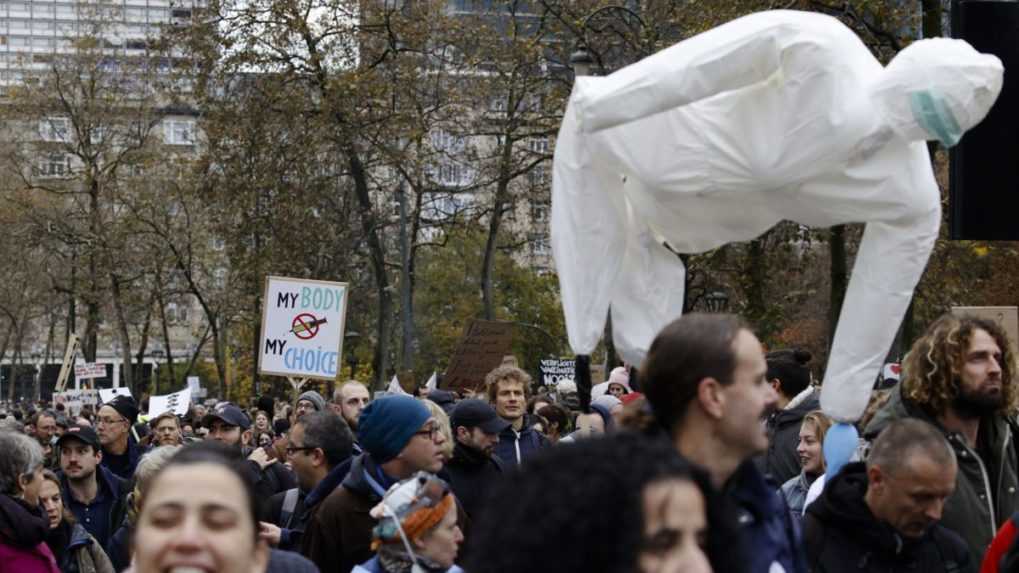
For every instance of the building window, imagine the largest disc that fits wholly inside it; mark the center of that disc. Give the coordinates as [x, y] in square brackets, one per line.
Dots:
[180, 131]
[539, 245]
[537, 176]
[176, 313]
[539, 212]
[57, 129]
[54, 165]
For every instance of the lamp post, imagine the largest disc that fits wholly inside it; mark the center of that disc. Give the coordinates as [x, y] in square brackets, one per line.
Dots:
[350, 339]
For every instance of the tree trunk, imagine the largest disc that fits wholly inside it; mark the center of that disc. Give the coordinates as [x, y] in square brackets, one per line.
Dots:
[45, 355]
[166, 340]
[91, 338]
[839, 277]
[138, 373]
[406, 285]
[122, 333]
[494, 224]
[756, 278]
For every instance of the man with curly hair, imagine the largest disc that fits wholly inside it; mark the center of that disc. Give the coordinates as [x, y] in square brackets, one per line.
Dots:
[508, 389]
[959, 377]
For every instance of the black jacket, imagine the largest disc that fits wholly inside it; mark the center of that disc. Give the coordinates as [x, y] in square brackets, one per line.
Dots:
[842, 535]
[274, 479]
[471, 474]
[781, 462]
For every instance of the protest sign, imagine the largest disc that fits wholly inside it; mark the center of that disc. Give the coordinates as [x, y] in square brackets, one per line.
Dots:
[89, 370]
[302, 328]
[178, 403]
[1006, 316]
[553, 370]
[75, 400]
[107, 394]
[482, 349]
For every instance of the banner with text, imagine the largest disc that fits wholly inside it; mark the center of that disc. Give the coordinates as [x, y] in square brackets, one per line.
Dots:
[107, 394]
[482, 348]
[302, 328]
[553, 370]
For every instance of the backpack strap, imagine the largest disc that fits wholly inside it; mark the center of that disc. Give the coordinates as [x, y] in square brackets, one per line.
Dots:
[289, 505]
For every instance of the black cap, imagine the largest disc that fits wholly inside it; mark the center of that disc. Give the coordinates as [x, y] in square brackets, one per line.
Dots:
[83, 433]
[228, 414]
[477, 414]
[125, 406]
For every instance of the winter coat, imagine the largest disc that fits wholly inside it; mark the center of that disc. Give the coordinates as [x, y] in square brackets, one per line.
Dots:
[794, 492]
[373, 566]
[985, 489]
[767, 534]
[123, 466]
[781, 462]
[514, 447]
[103, 516]
[843, 536]
[289, 562]
[275, 478]
[23, 532]
[76, 551]
[339, 531]
[471, 474]
[292, 532]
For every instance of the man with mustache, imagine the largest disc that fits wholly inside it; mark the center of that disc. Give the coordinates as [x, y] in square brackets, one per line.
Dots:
[959, 377]
[94, 494]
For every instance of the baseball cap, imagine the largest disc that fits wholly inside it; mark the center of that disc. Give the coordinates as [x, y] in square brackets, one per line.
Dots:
[228, 414]
[83, 433]
[477, 414]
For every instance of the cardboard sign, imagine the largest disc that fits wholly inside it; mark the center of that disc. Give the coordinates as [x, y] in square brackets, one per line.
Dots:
[302, 328]
[75, 400]
[482, 349]
[1006, 316]
[89, 370]
[178, 403]
[107, 394]
[553, 370]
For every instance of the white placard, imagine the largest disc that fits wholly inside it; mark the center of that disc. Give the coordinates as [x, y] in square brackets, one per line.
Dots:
[107, 394]
[194, 382]
[89, 370]
[179, 402]
[302, 328]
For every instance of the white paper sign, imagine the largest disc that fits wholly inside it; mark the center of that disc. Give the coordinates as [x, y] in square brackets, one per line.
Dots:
[194, 382]
[89, 370]
[178, 402]
[302, 328]
[107, 394]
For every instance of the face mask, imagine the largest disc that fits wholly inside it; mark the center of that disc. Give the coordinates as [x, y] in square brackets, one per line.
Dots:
[931, 111]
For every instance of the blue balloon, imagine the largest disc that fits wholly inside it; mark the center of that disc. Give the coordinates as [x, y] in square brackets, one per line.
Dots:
[840, 443]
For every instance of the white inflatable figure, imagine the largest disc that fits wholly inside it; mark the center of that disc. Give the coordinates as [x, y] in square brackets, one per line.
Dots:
[777, 115]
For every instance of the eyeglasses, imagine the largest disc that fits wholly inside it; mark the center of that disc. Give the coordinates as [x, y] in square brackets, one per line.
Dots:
[109, 421]
[291, 450]
[430, 433]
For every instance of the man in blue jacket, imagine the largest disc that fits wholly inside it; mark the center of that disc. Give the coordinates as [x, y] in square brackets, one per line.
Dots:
[508, 389]
[95, 496]
[704, 377]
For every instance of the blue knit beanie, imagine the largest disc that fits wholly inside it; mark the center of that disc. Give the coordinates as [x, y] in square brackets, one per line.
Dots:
[387, 425]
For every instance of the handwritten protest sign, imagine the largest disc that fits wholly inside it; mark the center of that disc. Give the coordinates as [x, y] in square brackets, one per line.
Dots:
[553, 370]
[178, 403]
[89, 370]
[482, 349]
[302, 328]
[75, 400]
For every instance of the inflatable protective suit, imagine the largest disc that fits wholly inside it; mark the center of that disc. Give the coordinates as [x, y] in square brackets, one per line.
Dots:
[777, 115]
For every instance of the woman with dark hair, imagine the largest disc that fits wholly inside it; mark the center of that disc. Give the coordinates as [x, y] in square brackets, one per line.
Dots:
[790, 377]
[74, 549]
[622, 503]
[199, 513]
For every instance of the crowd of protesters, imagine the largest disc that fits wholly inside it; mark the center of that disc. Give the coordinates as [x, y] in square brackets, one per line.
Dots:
[709, 457]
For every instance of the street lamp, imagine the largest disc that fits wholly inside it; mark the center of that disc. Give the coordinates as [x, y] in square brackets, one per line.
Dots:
[716, 301]
[582, 59]
[350, 339]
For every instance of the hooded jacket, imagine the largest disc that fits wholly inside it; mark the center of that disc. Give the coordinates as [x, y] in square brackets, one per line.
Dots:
[514, 447]
[23, 538]
[985, 489]
[123, 465]
[781, 462]
[842, 535]
[76, 551]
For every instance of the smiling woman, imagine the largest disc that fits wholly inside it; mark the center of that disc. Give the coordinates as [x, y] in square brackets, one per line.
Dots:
[199, 514]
